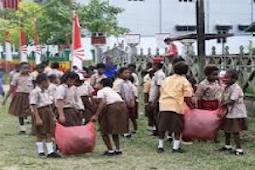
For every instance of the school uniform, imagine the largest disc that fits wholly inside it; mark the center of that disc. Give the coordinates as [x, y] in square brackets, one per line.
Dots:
[236, 117]
[208, 94]
[148, 112]
[136, 85]
[68, 95]
[114, 118]
[85, 91]
[173, 91]
[128, 93]
[56, 72]
[20, 102]
[116, 83]
[95, 82]
[42, 100]
[156, 81]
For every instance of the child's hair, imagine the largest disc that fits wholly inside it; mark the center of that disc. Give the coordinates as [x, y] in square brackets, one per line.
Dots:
[39, 66]
[132, 66]
[52, 77]
[159, 65]
[233, 74]
[209, 69]
[121, 70]
[23, 63]
[149, 65]
[132, 79]
[177, 59]
[192, 81]
[55, 65]
[69, 75]
[181, 68]
[100, 65]
[41, 77]
[107, 82]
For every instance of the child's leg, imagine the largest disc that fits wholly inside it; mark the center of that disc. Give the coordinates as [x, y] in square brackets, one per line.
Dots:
[107, 142]
[161, 140]
[49, 144]
[176, 141]
[22, 126]
[116, 141]
[39, 145]
[134, 122]
[227, 139]
[238, 141]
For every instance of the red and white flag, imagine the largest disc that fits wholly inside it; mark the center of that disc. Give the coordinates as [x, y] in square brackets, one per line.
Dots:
[23, 45]
[38, 49]
[8, 47]
[78, 52]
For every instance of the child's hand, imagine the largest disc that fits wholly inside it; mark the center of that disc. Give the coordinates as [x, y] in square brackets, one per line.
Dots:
[39, 122]
[94, 118]
[4, 102]
[62, 119]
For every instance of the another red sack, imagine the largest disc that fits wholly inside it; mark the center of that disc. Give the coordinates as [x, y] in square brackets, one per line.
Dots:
[201, 124]
[76, 139]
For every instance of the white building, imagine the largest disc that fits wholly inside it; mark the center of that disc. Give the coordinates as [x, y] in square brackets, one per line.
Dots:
[149, 17]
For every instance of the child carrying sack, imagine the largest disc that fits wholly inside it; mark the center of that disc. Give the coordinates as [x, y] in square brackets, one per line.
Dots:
[76, 139]
[201, 124]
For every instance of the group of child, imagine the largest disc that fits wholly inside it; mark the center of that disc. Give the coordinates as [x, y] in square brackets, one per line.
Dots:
[165, 100]
[77, 97]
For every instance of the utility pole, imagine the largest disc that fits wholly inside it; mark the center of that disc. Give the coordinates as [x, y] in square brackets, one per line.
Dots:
[200, 34]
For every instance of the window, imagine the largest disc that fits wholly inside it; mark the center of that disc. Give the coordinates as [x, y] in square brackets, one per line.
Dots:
[185, 28]
[222, 40]
[185, 0]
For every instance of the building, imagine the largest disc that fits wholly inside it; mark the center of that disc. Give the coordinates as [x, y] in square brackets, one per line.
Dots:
[178, 17]
[13, 4]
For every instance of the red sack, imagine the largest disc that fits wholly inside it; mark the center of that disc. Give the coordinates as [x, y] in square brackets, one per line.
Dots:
[76, 139]
[201, 124]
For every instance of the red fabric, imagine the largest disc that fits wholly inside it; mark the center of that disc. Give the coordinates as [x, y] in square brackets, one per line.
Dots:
[157, 60]
[201, 124]
[95, 91]
[75, 140]
[208, 105]
[173, 51]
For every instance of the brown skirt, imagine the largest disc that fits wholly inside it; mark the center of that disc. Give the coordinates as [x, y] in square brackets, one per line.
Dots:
[235, 125]
[89, 108]
[114, 119]
[20, 105]
[170, 121]
[72, 117]
[48, 119]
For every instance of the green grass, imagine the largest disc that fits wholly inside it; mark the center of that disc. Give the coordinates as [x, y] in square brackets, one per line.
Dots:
[18, 153]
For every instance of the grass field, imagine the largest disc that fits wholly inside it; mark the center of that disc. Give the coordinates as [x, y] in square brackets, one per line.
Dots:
[18, 153]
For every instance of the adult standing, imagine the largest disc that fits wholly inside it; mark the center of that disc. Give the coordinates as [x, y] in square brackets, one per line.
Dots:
[110, 68]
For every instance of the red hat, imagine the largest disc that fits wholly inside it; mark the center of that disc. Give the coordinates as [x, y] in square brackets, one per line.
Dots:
[158, 60]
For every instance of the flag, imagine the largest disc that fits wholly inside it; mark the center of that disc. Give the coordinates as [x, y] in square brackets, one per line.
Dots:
[8, 47]
[23, 45]
[78, 52]
[38, 50]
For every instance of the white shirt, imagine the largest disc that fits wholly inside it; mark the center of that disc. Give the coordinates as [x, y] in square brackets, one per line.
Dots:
[156, 81]
[109, 95]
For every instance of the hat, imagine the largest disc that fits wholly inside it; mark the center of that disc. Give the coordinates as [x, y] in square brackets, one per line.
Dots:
[158, 60]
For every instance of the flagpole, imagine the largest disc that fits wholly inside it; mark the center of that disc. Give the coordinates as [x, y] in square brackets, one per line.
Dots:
[73, 40]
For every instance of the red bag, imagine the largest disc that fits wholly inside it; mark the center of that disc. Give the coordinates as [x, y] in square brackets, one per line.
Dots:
[76, 139]
[201, 124]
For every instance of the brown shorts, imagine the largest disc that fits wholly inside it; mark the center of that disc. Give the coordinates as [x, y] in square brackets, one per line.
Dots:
[234, 125]
[171, 122]
[20, 105]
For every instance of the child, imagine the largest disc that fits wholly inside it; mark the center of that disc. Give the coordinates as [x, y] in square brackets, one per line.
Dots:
[44, 117]
[132, 69]
[55, 70]
[209, 91]
[128, 93]
[112, 116]
[84, 92]
[154, 94]
[146, 90]
[66, 102]
[117, 82]
[23, 84]
[175, 92]
[1, 86]
[39, 69]
[53, 86]
[97, 77]
[14, 72]
[236, 117]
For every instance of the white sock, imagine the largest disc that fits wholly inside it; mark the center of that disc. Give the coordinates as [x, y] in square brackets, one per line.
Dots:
[22, 128]
[228, 146]
[161, 143]
[110, 151]
[176, 144]
[154, 128]
[239, 150]
[50, 147]
[39, 146]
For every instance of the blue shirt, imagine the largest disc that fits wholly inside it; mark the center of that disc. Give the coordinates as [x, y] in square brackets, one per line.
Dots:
[110, 70]
[1, 85]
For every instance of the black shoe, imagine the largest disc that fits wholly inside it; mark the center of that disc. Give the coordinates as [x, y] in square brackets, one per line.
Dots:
[107, 153]
[118, 152]
[133, 132]
[22, 132]
[178, 150]
[161, 150]
[155, 133]
[234, 152]
[42, 155]
[170, 140]
[54, 155]
[224, 149]
[127, 135]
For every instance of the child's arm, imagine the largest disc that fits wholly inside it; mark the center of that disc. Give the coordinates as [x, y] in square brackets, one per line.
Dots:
[12, 89]
[60, 107]
[188, 101]
[38, 119]
[100, 108]
[227, 102]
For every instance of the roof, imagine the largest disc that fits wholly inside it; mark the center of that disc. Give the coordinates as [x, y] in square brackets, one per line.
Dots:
[251, 28]
[207, 37]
